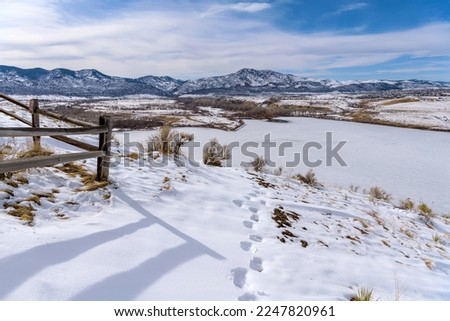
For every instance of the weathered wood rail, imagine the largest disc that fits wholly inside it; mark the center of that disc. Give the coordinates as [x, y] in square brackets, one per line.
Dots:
[102, 152]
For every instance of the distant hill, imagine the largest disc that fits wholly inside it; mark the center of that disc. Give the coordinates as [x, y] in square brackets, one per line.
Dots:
[91, 82]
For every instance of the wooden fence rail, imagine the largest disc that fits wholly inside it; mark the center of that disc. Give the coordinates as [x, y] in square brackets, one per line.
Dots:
[102, 152]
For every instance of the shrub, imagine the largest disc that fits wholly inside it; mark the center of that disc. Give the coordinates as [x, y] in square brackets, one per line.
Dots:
[309, 178]
[168, 141]
[86, 176]
[5, 151]
[425, 212]
[214, 153]
[377, 193]
[424, 209]
[259, 163]
[407, 205]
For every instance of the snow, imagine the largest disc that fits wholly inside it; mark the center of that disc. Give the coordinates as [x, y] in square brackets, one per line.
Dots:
[408, 163]
[432, 113]
[207, 233]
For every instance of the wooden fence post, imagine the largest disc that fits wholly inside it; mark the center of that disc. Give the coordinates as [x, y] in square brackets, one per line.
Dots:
[105, 146]
[34, 110]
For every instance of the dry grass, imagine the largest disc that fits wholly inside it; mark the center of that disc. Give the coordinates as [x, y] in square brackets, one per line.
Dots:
[7, 191]
[6, 150]
[376, 216]
[166, 184]
[426, 213]
[438, 239]
[11, 183]
[363, 294]
[408, 233]
[407, 205]
[34, 151]
[309, 178]
[363, 116]
[21, 179]
[168, 142]
[87, 177]
[429, 263]
[258, 164]
[34, 199]
[377, 193]
[400, 101]
[25, 213]
[214, 153]
[133, 156]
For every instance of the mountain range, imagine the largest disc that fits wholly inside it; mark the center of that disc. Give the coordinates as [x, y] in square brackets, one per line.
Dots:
[91, 82]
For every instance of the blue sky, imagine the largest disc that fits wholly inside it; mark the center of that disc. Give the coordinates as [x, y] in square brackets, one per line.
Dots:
[349, 39]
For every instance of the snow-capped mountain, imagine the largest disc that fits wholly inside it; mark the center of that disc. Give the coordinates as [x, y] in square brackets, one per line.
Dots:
[86, 82]
[90, 82]
[262, 81]
[165, 83]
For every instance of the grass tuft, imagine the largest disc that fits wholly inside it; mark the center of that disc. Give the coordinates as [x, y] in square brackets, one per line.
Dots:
[438, 239]
[25, 213]
[34, 151]
[259, 164]
[168, 142]
[407, 205]
[309, 178]
[426, 213]
[87, 177]
[377, 193]
[214, 153]
[363, 294]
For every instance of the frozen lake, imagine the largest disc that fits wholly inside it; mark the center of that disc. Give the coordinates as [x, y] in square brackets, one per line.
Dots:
[405, 162]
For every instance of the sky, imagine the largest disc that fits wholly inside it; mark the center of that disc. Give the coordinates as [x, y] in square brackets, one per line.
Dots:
[188, 39]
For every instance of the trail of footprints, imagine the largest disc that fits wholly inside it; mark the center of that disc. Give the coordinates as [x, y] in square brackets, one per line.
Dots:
[250, 245]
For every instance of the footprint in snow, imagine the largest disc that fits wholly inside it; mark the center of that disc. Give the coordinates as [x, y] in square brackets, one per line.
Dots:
[253, 209]
[254, 218]
[238, 203]
[239, 276]
[247, 297]
[256, 238]
[246, 246]
[248, 224]
[256, 264]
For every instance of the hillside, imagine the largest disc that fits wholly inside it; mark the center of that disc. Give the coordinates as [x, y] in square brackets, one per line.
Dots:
[173, 232]
[90, 82]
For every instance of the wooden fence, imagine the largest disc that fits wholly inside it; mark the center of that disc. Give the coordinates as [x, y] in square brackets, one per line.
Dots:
[102, 152]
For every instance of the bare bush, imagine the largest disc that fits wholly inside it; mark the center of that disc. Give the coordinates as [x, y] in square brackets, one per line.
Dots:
[426, 213]
[168, 142]
[259, 164]
[214, 153]
[309, 178]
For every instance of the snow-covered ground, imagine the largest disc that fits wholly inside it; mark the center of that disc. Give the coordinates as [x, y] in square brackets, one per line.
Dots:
[433, 113]
[424, 111]
[206, 233]
[408, 163]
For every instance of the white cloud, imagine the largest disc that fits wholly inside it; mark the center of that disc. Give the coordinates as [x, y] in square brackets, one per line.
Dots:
[186, 44]
[350, 7]
[249, 7]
